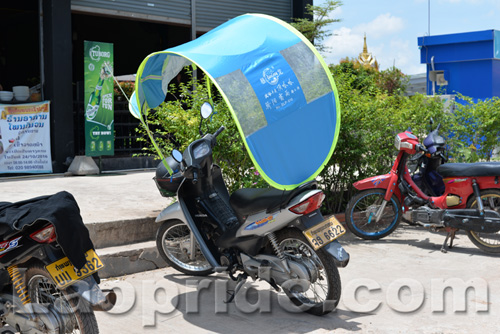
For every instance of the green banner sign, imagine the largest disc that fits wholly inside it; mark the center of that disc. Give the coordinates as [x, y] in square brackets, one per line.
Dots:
[99, 104]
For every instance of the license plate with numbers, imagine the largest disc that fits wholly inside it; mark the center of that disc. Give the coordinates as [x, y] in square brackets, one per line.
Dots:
[64, 273]
[325, 232]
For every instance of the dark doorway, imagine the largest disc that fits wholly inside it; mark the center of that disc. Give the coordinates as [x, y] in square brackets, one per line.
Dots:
[19, 44]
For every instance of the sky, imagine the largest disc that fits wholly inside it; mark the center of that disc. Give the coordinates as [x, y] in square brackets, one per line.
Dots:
[392, 27]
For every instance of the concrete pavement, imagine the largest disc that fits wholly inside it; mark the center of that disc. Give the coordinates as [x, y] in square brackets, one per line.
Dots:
[111, 196]
[401, 284]
[118, 208]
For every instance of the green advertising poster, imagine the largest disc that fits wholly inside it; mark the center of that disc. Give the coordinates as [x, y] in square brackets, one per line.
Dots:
[99, 104]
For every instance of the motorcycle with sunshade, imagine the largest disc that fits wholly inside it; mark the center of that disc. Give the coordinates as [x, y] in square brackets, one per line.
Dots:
[284, 103]
[277, 236]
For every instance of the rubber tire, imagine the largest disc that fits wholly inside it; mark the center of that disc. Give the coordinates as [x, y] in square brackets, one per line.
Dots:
[159, 244]
[476, 239]
[81, 309]
[332, 273]
[352, 204]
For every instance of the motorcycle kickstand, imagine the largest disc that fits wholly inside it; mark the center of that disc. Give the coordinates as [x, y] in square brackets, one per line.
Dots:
[242, 278]
[451, 237]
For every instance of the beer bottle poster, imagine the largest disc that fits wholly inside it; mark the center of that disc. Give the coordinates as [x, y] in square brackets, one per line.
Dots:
[98, 99]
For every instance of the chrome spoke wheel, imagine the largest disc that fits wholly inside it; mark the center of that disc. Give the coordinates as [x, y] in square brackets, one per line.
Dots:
[176, 248]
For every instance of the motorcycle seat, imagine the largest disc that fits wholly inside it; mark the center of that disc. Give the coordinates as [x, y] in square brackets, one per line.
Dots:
[247, 201]
[469, 169]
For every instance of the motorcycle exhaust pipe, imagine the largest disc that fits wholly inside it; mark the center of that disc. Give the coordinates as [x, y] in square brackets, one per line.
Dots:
[108, 303]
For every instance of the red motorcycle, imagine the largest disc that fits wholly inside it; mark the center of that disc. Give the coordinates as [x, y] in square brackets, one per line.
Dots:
[442, 197]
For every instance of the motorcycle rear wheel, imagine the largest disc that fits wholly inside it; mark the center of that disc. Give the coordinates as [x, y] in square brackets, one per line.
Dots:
[361, 210]
[323, 294]
[173, 240]
[77, 315]
[487, 242]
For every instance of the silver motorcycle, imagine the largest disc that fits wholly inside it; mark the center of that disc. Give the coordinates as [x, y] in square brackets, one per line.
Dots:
[273, 235]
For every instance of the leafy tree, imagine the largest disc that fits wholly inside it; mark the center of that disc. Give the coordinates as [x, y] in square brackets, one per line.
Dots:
[363, 77]
[369, 79]
[475, 129]
[315, 30]
[392, 81]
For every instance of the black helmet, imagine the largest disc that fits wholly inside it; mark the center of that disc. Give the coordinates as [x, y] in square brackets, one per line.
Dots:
[166, 183]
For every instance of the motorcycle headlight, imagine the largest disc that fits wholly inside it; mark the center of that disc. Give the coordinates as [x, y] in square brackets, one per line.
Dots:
[401, 144]
[397, 143]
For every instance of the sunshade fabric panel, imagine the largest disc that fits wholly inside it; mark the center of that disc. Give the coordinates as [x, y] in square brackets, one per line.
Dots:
[311, 75]
[244, 101]
[240, 41]
[299, 150]
[276, 85]
[150, 82]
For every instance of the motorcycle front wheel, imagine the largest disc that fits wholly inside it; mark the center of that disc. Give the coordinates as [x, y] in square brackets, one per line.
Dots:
[361, 210]
[487, 242]
[324, 289]
[75, 315]
[173, 241]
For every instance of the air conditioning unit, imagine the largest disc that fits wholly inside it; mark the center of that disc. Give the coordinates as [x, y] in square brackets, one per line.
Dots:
[449, 101]
[438, 77]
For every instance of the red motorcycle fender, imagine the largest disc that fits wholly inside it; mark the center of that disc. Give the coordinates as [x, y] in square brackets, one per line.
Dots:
[379, 181]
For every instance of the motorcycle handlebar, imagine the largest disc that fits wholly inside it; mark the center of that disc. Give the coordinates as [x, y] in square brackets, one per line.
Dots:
[222, 128]
[445, 159]
[422, 148]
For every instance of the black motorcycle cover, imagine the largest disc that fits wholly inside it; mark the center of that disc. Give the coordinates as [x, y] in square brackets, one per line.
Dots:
[61, 210]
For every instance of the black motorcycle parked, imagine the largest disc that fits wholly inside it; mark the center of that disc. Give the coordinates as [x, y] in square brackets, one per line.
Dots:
[48, 268]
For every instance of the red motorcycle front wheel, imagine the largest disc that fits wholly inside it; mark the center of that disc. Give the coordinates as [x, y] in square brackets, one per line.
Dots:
[361, 210]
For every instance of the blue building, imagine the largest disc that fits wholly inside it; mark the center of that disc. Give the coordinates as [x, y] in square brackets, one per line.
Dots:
[466, 63]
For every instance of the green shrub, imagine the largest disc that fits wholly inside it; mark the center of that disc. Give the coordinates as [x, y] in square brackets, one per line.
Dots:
[369, 124]
[371, 116]
[475, 129]
[176, 123]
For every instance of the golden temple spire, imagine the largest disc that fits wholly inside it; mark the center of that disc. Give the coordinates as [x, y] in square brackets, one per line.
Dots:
[365, 58]
[365, 47]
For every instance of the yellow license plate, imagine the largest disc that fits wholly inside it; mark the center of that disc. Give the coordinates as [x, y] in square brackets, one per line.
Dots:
[64, 273]
[325, 232]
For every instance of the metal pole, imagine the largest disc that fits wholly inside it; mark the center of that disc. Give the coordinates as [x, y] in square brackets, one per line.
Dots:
[42, 61]
[193, 31]
[429, 17]
[193, 19]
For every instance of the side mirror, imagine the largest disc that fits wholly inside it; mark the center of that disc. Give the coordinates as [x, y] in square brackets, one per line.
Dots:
[177, 155]
[206, 110]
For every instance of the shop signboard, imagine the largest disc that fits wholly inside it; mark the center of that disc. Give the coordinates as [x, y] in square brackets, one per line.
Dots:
[99, 105]
[25, 138]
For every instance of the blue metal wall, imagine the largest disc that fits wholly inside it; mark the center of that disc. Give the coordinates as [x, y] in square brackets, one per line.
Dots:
[470, 61]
